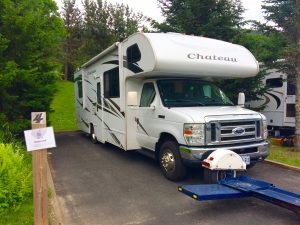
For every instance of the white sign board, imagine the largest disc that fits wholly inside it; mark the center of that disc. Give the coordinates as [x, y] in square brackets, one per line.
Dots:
[38, 139]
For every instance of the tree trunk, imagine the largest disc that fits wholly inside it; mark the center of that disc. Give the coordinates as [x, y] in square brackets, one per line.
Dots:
[67, 70]
[297, 109]
[296, 33]
[297, 105]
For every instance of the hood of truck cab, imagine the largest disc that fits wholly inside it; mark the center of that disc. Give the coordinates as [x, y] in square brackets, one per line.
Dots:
[209, 113]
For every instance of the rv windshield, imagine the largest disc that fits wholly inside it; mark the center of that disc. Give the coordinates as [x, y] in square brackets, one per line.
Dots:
[191, 92]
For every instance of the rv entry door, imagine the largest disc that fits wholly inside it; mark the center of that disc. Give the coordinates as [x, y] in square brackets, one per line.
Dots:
[146, 117]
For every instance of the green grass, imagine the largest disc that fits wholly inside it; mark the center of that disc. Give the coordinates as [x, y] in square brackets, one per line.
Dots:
[22, 215]
[63, 117]
[286, 155]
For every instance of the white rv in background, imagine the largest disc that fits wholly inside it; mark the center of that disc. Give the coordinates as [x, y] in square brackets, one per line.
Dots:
[154, 92]
[278, 104]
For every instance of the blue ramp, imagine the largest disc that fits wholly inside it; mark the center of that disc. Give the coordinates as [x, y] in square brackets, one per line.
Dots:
[211, 192]
[244, 187]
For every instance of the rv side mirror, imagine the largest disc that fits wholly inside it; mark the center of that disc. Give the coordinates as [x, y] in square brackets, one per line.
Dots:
[132, 98]
[241, 99]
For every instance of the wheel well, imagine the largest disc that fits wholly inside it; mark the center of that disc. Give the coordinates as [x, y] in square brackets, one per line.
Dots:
[163, 137]
[91, 128]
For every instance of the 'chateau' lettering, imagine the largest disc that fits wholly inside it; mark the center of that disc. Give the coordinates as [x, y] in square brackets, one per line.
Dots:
[210, 57]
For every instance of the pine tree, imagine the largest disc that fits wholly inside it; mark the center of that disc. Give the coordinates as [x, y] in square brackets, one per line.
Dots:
[210, 18]
[30, 35]
[72, 20]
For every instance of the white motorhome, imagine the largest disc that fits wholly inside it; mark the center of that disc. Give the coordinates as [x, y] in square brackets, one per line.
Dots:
[277, 104]
[153, 92]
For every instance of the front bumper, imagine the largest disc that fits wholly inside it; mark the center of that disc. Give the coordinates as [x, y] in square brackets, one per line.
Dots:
[195, 155]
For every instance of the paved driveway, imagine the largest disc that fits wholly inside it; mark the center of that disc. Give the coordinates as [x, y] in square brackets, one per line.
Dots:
[100, 184]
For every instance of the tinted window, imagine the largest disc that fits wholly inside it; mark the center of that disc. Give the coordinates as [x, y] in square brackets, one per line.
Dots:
[133, 54]
[148, 94]
[274, 82]
[290, 110]
[291, 88]
[111, 83]
[79, 86]
[98, 93]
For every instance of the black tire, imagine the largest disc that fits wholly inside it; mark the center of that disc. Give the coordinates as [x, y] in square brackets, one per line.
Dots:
[213, 176]
[93, 135]
[170, 161]
[251, 165]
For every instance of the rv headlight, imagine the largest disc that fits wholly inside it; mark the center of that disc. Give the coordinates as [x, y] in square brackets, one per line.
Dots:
[264, 129]
[194, 133]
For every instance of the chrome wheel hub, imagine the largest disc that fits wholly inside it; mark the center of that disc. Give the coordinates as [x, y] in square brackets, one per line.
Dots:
[168, 161]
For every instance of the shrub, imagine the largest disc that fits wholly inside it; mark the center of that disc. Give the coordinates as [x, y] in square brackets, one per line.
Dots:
[15, 175]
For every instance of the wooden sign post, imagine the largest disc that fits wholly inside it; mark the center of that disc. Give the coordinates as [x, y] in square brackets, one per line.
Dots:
[39, 170]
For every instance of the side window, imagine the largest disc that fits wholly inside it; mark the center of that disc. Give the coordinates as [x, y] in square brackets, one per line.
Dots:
[98, 93]
[79, 88]
[148, 94]
[290, 110]
[133, 54]
[274, 82]
[111, 83]
[291, 88]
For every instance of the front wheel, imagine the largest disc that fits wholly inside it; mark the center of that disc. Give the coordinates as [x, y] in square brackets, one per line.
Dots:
[170, 161]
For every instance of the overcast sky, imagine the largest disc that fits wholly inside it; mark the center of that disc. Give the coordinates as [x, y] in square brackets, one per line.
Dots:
[150, 8]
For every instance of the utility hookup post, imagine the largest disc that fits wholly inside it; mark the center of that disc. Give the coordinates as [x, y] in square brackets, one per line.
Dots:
[39, 171]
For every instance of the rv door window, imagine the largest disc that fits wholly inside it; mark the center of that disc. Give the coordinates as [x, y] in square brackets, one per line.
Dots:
[148, 95]
[274, 82]
[111, 83]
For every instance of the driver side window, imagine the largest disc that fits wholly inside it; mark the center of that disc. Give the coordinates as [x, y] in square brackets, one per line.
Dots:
[148, 95]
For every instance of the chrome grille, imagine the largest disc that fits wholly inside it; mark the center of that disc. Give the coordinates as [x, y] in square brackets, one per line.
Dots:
[228, 132]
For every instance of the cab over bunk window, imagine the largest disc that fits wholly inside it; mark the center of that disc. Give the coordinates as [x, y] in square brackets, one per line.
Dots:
[148, 94]
[133, 54]
[111, 83]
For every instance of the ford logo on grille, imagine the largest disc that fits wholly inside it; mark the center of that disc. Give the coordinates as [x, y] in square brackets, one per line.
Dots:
[238, 130]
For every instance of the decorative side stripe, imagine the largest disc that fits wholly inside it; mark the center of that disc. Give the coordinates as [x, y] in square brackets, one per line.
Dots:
[85, 123]
[133, 67]
[276, 99]
[79, 102]
[108, 105]
[115, 62]
[116, 106]
[91, 101]
[113, 135]
[88, 81]
[140, 125]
